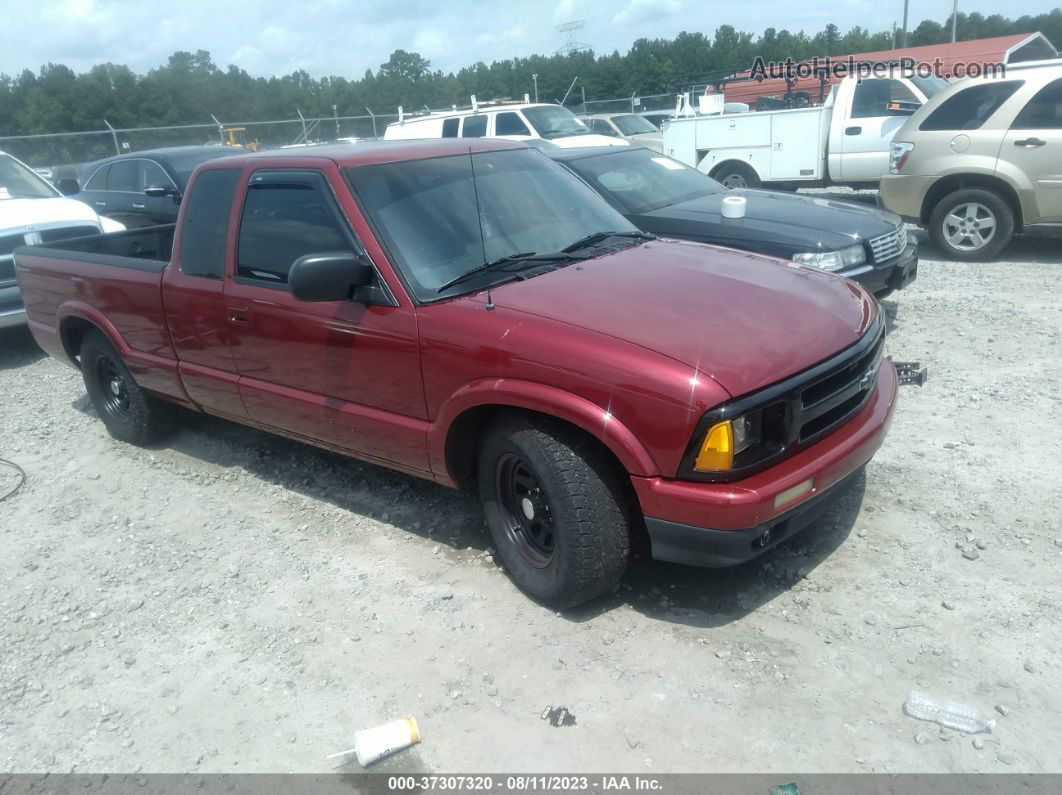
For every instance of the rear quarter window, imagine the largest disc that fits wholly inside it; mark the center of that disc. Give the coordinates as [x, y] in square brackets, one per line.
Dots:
[205, 230]
[970, 108]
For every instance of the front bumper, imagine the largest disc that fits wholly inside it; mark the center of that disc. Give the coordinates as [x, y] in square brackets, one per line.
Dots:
[718, 524]
[12, 312]
[892, 274]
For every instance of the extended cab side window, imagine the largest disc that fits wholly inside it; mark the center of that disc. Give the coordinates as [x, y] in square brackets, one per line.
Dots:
[450, 127]
[970, 108]
[1044, 111]
[285, 217]
[474, 126]
[510, 123]
[205, 231]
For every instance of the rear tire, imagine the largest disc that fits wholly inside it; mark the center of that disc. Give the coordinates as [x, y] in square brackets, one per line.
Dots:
[736, 176]
[129, 413]
[972, 224]
[556, 509]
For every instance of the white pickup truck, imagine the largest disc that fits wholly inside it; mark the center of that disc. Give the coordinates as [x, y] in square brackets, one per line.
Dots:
[31, 212]
[844, 141]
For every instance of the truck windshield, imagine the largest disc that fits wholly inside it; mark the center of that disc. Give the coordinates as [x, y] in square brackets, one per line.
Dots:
[554, 121]
[442, 217]
[640, 181]
[630, 124]
[19, 182]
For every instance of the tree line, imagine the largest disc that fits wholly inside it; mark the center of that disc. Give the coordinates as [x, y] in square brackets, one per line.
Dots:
[190, 86]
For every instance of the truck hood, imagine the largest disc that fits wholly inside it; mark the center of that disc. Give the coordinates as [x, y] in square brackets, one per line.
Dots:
[743, 319]
[776, 223]
[16, 213]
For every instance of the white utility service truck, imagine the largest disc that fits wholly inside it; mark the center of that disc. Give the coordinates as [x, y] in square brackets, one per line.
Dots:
[846, 140]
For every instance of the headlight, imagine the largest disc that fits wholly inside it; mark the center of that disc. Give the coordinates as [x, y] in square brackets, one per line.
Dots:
[726, 439]
[833, 260]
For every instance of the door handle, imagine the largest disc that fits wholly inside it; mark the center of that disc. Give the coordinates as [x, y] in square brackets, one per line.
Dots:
[1029, 142]
[239, 315]
[853, 130]
[138, 206]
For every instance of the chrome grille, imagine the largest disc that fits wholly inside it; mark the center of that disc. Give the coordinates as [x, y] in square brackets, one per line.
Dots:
[889, 245]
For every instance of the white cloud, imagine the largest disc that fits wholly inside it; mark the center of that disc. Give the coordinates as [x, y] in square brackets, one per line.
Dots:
[638, 11]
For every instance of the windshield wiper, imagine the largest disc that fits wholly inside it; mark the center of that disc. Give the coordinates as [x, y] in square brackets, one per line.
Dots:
[523, 257]
[598, 237]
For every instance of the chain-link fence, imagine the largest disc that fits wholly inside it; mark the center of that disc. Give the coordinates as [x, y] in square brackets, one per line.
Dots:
[632, 104]
[49, 152]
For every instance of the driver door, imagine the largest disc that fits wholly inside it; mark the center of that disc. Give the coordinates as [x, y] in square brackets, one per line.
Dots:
[343, 373]
[867, 134]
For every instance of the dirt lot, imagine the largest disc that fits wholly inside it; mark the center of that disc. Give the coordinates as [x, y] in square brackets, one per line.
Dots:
[235, 602]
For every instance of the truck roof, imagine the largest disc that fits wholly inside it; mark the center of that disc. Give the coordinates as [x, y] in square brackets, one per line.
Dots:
[370, 152]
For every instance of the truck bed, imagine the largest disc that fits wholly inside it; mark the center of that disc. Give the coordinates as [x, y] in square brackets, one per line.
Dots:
[146, 248]
[111, 281]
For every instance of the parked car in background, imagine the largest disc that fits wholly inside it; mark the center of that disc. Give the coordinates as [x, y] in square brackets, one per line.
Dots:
[31, 212]
[657, 117]
[517, 121]
[472, 313]
[660, 195]
[145, 188]
[634, 129]
[981, 161]
[844, 141]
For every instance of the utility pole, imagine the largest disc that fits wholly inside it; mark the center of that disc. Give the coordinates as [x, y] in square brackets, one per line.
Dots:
[905, 4]
[535, 78]
[335, 116]
[894, 34]
[954, 18]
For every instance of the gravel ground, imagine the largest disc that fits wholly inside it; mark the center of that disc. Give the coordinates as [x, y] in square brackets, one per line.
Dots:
[233, 602]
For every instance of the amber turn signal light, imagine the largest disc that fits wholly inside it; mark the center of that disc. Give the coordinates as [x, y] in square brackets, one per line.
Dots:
[717, 449]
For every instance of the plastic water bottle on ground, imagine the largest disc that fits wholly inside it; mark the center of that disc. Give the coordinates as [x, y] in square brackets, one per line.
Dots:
[950, 714]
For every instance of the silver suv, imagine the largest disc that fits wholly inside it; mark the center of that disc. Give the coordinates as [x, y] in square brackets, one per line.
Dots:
[981, 160]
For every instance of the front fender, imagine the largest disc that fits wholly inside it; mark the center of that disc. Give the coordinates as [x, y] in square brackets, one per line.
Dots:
[543, 399]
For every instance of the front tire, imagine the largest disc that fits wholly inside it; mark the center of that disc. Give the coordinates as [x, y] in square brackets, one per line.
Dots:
[556, 508]
[129, 413]
[973, 225]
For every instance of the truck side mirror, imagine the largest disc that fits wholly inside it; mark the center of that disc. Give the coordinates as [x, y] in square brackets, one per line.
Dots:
[68, 186]
[329, 276]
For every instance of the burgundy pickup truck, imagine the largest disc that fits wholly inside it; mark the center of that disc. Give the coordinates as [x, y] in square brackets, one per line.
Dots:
[469, 312]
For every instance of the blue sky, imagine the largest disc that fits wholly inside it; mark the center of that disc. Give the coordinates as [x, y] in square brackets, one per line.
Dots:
[340, 37]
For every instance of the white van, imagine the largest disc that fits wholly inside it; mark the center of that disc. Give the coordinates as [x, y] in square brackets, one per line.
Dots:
[519, 121]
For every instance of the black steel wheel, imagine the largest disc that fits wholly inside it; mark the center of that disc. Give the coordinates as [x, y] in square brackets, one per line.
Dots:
[115, 393]
[129, 413]
[559, 508]
[525, 510]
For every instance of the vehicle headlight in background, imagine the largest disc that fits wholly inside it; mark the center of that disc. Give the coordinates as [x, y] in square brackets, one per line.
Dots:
[833, 260]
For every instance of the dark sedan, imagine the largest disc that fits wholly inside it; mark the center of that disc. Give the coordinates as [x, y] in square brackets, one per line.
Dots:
[142, 188]
[665, 197]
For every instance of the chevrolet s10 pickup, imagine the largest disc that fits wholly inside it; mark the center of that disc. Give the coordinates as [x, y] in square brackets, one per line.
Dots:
[470, 312]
